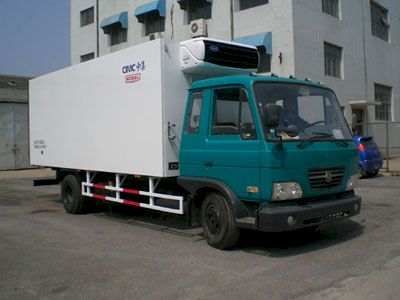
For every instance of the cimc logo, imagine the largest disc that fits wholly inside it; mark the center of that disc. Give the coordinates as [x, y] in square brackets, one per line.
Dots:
[133, 72]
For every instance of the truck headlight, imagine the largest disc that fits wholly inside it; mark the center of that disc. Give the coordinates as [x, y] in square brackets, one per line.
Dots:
[286, 191]
[352, 183]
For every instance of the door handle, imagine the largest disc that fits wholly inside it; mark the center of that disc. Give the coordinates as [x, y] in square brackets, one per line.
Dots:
[208, 163]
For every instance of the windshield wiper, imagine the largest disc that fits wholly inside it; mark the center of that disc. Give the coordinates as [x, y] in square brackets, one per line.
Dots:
[320, 135]
[325, 134]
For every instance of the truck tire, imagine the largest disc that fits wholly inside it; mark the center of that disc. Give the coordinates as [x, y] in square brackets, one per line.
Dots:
[373, 174]
[218, 222]
[71, 195]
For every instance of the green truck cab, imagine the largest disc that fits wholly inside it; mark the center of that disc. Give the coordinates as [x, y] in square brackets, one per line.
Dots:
[265, 153]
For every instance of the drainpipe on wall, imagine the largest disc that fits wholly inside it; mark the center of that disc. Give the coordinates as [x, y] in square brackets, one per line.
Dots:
[97, 29]
[365, 66]
[231, 16]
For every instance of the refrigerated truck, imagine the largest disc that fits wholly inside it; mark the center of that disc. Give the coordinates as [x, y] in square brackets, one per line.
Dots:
[189, 128]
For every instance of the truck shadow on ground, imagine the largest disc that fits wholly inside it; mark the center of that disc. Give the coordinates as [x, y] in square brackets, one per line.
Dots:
[254, 242]
[300, 241]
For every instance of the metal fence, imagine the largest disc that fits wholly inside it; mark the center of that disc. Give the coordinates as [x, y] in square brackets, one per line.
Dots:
[386, 135]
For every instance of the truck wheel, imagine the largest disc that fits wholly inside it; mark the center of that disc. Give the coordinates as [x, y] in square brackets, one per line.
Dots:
[218, 222]
[373, 174]
[71, 195]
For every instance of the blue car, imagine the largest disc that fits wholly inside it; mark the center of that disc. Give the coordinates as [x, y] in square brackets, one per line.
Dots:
[370, 156]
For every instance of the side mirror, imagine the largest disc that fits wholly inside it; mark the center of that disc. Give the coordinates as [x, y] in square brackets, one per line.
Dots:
[354, 122]
[271, 115]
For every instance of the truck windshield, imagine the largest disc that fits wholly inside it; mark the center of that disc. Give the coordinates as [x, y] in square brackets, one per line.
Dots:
[305, 112]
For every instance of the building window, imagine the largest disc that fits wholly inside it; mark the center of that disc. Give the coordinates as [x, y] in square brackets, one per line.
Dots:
[245, 4]
[199, 9]
[379, 21]
[331, 7]
[153, 23]
[333, 60]
[116, 27]
[383, 95]
[87, 16]
[118, 35]
[87, 57]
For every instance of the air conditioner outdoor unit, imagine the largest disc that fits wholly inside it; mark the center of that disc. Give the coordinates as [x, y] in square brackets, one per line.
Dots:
[154, 36]
[198, 28]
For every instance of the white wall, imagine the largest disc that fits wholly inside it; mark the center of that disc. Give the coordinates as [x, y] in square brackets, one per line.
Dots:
[383, 66]
[383, 58]
[312, 29]
[275, 16]
[380, 64]
[299, 29]
[83, 39]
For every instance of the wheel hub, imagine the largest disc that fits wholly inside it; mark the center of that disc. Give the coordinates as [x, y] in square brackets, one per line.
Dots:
[213, 220]
[68, 195]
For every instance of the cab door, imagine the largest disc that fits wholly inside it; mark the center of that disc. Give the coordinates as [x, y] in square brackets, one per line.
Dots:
[232, 147]
[191, 155]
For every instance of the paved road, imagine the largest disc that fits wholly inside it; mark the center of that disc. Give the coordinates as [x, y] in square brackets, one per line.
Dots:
[46, 253]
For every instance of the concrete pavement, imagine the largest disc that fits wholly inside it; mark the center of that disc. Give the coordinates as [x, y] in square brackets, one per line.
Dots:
[139, 254]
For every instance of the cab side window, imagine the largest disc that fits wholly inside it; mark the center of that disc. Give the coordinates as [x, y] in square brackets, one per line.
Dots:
[232, 114]
[193, 123]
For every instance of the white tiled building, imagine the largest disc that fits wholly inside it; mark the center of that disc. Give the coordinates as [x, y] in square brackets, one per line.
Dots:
[351, 45]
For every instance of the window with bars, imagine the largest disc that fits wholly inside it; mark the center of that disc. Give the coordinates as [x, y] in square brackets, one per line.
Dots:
[331, 7]
[379, 21]
[383, 95]
[245, 4]
[333, 60]
[87, 57]
[200, 9]
[153, 23]
[118, 35]
[87, 16]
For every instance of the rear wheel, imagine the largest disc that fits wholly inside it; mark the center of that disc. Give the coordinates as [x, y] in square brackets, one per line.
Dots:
[71, 195]
[218, 222]
[373, 174]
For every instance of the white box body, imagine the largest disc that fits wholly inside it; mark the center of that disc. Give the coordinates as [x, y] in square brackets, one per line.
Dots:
[111, 114]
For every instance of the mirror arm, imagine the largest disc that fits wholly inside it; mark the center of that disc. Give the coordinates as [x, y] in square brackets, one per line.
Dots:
[278, 139]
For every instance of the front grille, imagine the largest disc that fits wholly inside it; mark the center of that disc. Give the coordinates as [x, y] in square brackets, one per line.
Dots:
[325, 177]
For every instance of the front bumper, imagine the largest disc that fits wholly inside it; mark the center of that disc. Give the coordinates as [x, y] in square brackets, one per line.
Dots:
[274, 218]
